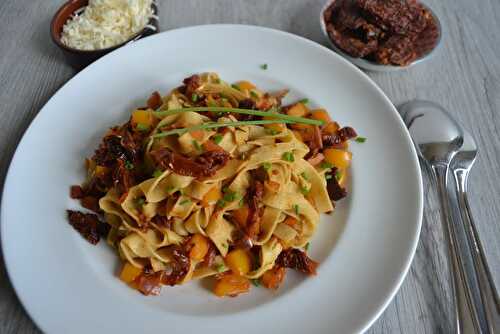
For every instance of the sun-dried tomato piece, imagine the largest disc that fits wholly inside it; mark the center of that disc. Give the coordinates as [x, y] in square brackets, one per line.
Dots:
[335, 190]
[162, 221]
[76, 192]
[209, 258]
[204, 165]
[149, 284]
[86, 224]
[155, 101]
[191, 84]
[255, 196]
[298, 260]
[180, 267]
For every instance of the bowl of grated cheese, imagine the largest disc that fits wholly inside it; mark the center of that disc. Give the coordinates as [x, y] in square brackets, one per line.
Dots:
[86, 30]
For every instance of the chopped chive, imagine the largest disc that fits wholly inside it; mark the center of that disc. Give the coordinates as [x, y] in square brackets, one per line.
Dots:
[288, 156]
[304, 176]
[338, 175]
[263, 66]
[129, 165]
[194, 97]
[304, 190]
[140, 201]
[142, 127]
[266, 165]
[235, 87]
[307, 246]
[170, 188]
[216, 125]
[255, 282]
[326, 164]
[220, 267]
[273, 112]
[197, 145]
[254, 94]
[230, 196]
[225, 189]
[328, 176]
[242, 201]
[272, 132]
[157, 173]
[360, 139]
[217, 138]
[221, 203]
[304, 101]
[296, 209]
[186, 201]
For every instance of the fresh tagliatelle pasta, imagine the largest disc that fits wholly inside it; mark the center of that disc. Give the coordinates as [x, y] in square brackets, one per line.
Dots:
[214, 180]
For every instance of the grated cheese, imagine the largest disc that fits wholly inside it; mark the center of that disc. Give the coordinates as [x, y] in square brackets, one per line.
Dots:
[105, 23]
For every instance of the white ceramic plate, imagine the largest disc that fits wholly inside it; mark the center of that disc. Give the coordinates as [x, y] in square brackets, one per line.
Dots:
[365, 247]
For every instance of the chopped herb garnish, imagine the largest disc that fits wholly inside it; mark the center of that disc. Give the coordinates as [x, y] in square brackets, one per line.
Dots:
[170, 188]
[224, 100]
[140, 201]
[254, 94]
[288, 156]
[129, 165]
[275, 113]
[186, 201]
[194, 97]
[255, 282]
[272, 132]
[304, 176]
[236, 87]
[217, 80]
[142, 127]
[217, 138]
[212, 104]
[304, 101]
[360, 139]
[338, 175]
[307, 246]
[220, 267]
[242, 201]
[230, 196]
[328, 176]
[157, 173]
[197, 145]
[305, 190]
[266, 165]
[296, 209]
[225, 189]
[326, 164]
[221, 203]
[263, 66]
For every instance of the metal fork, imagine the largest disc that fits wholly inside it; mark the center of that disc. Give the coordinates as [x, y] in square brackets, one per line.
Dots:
[461, 166]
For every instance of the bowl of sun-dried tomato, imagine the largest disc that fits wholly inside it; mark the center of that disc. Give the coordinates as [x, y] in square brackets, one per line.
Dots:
[381, 35]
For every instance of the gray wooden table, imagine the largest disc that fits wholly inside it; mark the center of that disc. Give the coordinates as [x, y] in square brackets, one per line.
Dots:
[464, 77]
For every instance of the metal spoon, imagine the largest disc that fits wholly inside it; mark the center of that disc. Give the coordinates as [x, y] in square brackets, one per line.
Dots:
[461, 166]
[437, 138]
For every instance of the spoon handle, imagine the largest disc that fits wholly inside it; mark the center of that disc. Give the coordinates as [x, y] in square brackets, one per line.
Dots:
[464, 307]
[489, 295]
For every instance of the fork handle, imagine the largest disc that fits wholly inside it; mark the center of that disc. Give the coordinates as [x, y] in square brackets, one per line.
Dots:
[465, 313]
[489, 295]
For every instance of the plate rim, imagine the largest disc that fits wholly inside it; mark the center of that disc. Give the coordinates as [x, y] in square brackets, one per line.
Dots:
[310, 43]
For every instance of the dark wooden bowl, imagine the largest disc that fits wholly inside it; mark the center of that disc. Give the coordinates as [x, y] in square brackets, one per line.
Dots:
[81, 58]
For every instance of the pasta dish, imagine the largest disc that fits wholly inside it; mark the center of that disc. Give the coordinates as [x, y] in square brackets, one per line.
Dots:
[214, 180]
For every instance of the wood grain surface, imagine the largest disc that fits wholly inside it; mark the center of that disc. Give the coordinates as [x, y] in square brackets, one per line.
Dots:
[464, 77]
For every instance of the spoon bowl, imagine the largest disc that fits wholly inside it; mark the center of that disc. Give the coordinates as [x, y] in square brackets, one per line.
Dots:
[436, 135]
